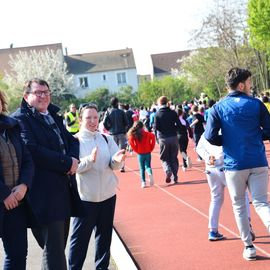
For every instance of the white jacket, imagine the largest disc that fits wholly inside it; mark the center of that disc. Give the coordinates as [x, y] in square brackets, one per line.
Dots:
[96, 180]
[205, 149]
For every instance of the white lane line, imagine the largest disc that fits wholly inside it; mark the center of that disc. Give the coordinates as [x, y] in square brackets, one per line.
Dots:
[200, 212]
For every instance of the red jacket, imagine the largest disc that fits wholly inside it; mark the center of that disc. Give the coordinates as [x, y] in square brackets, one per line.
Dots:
[146, 145]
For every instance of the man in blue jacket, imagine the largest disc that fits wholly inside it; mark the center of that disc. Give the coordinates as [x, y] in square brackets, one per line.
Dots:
[244, 122]
[55, 153]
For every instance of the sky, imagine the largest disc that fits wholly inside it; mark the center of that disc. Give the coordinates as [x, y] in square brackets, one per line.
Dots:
[85, 26]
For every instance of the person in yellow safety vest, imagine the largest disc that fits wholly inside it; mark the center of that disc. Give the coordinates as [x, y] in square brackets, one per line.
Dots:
[72, 119]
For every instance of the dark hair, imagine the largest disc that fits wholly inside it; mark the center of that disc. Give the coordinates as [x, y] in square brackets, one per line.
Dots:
[179, 111]
[235, 76]
[3, 101]
[114, 102]
[28, 84]
[211, 102]
[86, 106]
[265, 99]
[136, 130]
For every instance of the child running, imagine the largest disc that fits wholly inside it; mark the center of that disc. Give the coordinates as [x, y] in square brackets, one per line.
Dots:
[213, 157]
[142, 142]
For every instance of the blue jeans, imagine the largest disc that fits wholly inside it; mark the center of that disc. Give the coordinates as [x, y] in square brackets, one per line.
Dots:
[145, 164]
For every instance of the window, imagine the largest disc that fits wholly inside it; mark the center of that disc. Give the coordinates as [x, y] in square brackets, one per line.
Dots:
[83, 82]
[121, 78]
[104, 77]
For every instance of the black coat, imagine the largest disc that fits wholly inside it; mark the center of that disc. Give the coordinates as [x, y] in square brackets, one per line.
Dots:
[116, 122]
[166, 122]
[50, 196]
[25, 163]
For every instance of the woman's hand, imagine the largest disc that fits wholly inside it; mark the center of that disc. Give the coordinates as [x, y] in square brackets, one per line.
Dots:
[19, 191]
[11, 202]
[93, 154]
[120, 156]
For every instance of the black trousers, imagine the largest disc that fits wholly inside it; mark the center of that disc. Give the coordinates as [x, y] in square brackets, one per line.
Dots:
[15, 238]
[168, 155]
[183, 144]
[99, 215]
[52, 238]
[197, 137]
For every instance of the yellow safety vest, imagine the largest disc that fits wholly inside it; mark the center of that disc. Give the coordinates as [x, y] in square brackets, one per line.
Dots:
[75, 127]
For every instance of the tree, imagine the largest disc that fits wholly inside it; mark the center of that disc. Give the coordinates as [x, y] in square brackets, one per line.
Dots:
[204, 71]
[48, 65]
[3, 85]
[12, 102]
[259, 25]
[174, 88]
[101, 97]
[224, 44]
[224, 27]
[127, 95]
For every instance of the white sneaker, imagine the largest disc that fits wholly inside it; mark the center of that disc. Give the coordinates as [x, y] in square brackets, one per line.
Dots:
[189, 163]
[249, 253]
[151, 179]
[184, 168]
[143, 185]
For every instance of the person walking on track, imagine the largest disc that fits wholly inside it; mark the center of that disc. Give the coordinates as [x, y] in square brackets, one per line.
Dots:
[142, 142]
[166, 124]
[214, 169]
[244, 122]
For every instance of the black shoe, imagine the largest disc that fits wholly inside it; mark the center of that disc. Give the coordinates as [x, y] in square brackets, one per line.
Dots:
[122, 170]
[168, 177]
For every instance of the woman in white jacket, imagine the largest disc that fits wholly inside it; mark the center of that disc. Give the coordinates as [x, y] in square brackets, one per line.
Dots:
[97, 183]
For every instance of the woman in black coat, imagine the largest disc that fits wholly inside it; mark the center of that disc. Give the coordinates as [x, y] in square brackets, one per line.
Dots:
[16, 172]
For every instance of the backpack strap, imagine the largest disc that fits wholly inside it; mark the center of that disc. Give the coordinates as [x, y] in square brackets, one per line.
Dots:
[105, 137]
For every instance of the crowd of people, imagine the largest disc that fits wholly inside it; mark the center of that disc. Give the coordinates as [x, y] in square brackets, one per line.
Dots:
[51, 171]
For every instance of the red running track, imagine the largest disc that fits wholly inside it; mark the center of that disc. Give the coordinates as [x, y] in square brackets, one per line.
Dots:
[165, 226]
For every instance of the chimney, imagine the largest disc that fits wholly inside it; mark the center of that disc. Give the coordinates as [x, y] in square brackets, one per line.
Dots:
[11, 46]
[66, 51]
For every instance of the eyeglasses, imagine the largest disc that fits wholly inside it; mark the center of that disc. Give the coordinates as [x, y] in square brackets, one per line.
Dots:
[41, 93]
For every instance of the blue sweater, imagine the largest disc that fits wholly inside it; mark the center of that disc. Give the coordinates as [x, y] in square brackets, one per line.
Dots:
[244, 122]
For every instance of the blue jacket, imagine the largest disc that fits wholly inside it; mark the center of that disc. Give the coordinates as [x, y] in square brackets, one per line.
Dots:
[50, 195]
[244, 122]
[26, 170]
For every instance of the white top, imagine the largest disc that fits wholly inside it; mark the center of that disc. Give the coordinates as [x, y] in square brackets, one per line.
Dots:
[205, 149]
[96, 180]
